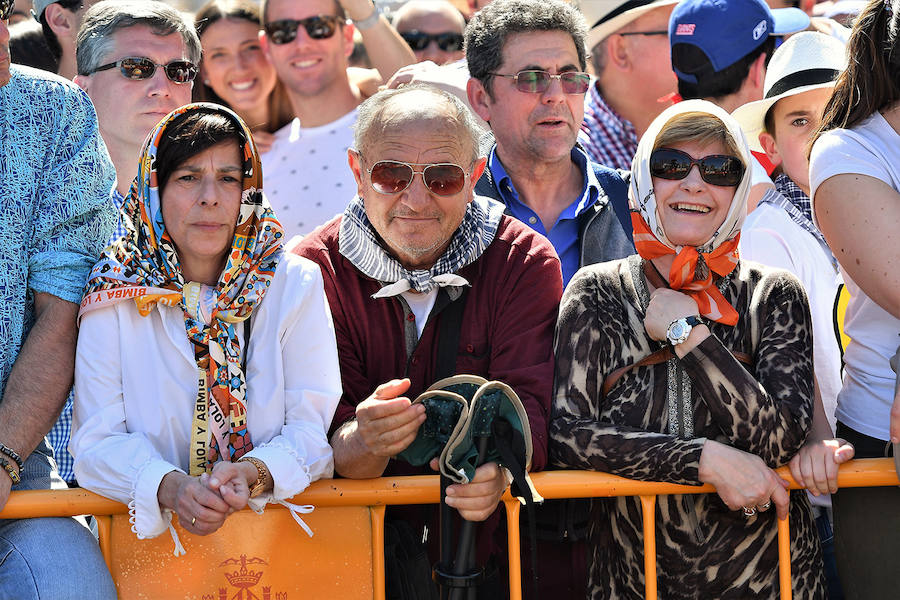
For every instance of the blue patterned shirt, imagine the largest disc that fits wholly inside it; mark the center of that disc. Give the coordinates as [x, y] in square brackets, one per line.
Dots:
[55, 209]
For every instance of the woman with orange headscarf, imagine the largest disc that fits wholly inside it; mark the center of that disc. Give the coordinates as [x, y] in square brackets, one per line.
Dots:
[687, 365]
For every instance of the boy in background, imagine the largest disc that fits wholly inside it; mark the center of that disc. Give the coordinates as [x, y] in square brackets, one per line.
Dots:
[781, 233]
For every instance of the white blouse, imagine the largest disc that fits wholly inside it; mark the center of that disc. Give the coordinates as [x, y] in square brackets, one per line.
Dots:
[135, 386]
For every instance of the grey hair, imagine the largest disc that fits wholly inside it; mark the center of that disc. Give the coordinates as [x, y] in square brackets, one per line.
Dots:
[369, 117]
[101, 21]
[487, 31]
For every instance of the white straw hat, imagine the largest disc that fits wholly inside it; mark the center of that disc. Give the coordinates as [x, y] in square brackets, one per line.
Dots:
[605, 17]
[806, 61]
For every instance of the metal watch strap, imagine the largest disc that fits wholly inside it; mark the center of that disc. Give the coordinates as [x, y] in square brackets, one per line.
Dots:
[369, 21]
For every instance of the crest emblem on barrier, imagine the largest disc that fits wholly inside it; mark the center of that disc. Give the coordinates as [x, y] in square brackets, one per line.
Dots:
[244, 581]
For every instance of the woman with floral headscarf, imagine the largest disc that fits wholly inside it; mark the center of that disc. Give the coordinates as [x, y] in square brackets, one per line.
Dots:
[207, 371]
[687, 365]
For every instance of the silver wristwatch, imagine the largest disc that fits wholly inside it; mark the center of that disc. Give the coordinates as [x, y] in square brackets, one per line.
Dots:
[679, 329]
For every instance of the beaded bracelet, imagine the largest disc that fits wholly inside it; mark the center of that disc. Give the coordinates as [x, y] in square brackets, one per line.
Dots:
[4, 449]
[10, 471]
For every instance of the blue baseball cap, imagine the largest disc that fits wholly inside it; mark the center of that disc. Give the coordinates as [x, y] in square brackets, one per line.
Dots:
[728, 30]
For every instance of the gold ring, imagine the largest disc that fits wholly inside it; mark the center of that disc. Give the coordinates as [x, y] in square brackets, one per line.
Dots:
[193, 520]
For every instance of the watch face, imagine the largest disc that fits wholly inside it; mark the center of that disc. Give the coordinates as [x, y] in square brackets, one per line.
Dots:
[678, 328]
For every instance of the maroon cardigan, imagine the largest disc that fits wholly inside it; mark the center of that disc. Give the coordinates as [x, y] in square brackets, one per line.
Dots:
[507, 326]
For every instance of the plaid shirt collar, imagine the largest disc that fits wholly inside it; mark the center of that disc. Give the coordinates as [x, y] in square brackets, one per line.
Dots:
[608, 138]
[798, 206]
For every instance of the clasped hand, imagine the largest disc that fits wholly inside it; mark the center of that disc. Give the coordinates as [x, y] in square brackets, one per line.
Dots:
[203, 503]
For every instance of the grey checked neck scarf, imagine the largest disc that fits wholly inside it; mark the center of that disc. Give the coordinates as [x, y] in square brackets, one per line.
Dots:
[798, 206]
[358, 242]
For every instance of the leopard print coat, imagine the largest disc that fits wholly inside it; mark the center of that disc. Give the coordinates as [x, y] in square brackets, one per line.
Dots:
[653, 423]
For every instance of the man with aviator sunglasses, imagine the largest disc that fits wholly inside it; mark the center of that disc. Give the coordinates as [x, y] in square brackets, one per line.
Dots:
[55, 181]
[434, 30]
[415, 255]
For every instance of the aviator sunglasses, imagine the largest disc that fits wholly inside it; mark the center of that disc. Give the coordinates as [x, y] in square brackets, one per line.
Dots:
[318, 28]
[715, 169]
[538, 82]
[447, 41]
[141, 67]
[6, 9]
[392, 177]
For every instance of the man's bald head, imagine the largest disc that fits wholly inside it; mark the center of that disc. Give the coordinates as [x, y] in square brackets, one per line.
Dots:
[415, 103]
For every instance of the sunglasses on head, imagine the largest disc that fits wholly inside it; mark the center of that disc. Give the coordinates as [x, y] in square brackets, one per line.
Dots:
[318, 28]
[441, 179]
[6, 9]
[715, 169]
[538, 82]
[447, 41]
[141, 67]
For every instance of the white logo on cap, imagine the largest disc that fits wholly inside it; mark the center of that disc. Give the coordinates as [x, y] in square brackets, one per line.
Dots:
[759, 30]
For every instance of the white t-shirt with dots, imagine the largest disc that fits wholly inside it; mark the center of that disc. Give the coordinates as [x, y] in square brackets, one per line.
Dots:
[305, 174]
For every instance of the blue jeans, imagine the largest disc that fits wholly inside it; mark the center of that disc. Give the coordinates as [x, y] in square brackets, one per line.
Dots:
[826, 537]
[50, 558]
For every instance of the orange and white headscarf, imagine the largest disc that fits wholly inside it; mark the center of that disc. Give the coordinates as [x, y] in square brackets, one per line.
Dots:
[720, 252]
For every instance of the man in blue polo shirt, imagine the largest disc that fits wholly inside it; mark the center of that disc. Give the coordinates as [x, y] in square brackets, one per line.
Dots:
[526, 59]
[531, 93]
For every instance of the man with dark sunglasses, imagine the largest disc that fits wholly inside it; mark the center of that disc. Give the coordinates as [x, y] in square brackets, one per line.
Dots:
[308, 43]
[137, 62]
[415, 255]
[629, 45]
[55, 181]
[433, 29]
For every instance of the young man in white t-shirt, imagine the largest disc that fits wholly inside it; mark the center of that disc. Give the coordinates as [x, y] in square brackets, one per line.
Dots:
[306, 176]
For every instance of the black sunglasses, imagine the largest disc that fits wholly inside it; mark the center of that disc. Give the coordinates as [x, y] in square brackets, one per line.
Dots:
[318, 28]
[6, 9]
[538, 82]
[644, 33]
[715, 169]
[447, 41]
[441, 179]
[141, 67]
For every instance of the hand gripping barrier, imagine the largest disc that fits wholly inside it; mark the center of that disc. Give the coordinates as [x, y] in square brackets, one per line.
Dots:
[269, 558]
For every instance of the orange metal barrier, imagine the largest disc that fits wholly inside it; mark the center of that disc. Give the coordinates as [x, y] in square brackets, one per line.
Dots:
[271, 558]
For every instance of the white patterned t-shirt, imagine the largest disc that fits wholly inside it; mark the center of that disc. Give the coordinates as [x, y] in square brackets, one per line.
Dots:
[306, 176]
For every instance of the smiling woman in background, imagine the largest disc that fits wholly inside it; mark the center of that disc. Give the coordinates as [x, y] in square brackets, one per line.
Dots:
[235, 72]
[687, 365]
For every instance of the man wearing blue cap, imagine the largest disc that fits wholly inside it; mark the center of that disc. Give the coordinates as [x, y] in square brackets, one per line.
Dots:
[720, 49]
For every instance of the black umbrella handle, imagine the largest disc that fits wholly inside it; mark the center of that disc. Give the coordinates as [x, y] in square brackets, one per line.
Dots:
[465, 550]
